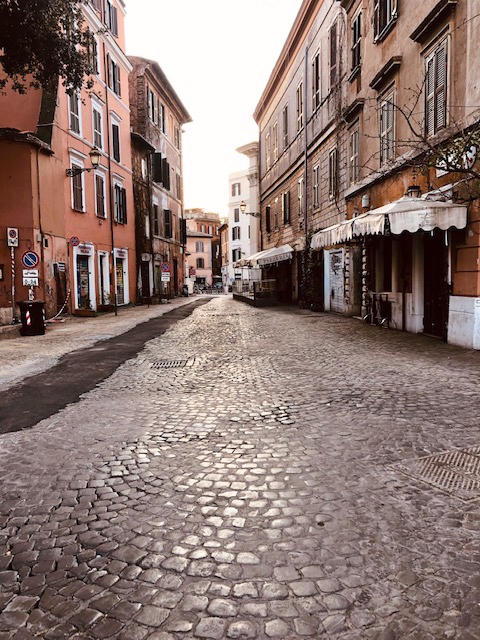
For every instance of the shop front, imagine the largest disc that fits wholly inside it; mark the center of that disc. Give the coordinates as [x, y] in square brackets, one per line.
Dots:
[84, 294]
[120, 257]
[276, 266]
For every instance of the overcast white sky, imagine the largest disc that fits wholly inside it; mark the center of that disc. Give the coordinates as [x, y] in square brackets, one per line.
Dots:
[218, 55]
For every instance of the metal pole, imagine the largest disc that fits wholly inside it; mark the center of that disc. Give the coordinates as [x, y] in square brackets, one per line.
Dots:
[12, 254]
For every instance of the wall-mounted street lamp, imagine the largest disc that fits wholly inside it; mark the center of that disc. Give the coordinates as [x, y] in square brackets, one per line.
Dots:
[95, 156]
[243, 209]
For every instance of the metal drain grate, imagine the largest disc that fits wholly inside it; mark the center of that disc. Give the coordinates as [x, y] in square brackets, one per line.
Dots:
[172, 364]
[455, 472]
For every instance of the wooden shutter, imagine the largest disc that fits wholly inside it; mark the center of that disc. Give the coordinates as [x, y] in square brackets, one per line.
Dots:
[333, 55]
[166, 174]
[109, 71]
[100, 196]
[267, 219]
[123, 205]
[157, 166]
[97, 129]
[430, 96]
[183, 231]
[114, 20]
[77, 190]
[106, 13]
[376, 18]
[167, 220]
[440, 87]
[116, 142]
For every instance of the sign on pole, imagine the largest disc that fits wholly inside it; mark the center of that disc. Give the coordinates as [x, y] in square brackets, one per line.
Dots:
[30, 259]
[74, 241]
[30, 282]
[165, 277]
[165, 267]
[12, 237]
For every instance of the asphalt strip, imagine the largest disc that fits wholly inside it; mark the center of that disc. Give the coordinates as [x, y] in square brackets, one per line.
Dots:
[78, 372]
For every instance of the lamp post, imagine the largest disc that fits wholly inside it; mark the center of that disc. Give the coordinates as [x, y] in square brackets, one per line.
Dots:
[243, 209]
[95, 156]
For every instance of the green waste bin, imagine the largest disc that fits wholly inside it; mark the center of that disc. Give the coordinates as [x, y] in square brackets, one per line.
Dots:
[32, 314]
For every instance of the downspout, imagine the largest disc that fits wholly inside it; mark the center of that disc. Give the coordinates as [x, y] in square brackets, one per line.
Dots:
[42, 251]
[110, 185]
[305, 179]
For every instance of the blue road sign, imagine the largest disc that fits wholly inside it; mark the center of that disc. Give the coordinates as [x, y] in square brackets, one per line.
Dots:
[30, 259]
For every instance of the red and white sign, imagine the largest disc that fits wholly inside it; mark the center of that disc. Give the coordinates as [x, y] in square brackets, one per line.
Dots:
[12, 237]
[30, 259]
[165, 267]
[74, 241]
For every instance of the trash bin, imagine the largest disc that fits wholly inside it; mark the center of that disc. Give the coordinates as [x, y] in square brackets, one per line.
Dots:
[33, 317]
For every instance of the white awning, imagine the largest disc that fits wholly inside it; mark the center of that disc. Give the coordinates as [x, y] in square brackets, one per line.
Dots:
[268, 256]
[336, 234]
[369, 224]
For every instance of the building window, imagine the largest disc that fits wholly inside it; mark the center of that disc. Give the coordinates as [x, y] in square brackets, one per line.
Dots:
[268, 222]
[77, 189]
[147, 226]
[199, 246]
[178, 181]
[92, 53]
[332, 47]
[267, 151]
[97, 129]
[353, 156]
[152, 107]
[436, 90]
[113, 76]
[333, 172]
[387, 128]
[167, 223]
[236, 189]
[111, 17]
[285, 126]
[120, 204]
[300, 197]
[275, 214]
[316, 186]
[385, 12]
[235, 233]
[286, 207]
[275, 142]
[356, 40]
[236, 215]
[300, 107]
[156, 222]
[203, 228]
[74, 108]
[116, 141]
[200, 263]
[161, 117]
[100, 195]
[176, 137]
[236, 255]
[316, 82]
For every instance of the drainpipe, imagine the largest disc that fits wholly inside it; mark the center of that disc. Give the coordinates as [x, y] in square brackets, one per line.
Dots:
[42, 251]
[110, 185]
[305, 179]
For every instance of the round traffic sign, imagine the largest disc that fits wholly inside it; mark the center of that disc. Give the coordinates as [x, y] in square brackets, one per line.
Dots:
[12, 233]
[30, 259]
[165, 267]
[74, 241]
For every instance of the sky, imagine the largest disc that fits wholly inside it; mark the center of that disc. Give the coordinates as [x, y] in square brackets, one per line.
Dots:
[218, 56]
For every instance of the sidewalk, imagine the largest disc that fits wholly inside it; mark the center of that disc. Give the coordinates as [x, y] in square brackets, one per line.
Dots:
[21, 357]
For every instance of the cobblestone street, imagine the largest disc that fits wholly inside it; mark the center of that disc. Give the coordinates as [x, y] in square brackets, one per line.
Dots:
[263, 488]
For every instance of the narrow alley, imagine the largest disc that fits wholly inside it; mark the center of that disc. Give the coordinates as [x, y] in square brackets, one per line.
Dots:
[251, 474]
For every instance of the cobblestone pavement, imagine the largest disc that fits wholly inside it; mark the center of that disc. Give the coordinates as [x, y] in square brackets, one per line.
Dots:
[253, 493]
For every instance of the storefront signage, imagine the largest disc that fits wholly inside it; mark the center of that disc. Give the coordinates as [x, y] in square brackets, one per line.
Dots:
[30, 259]
[121, 253]
[85, 249]
[12, 237]
[274, 259]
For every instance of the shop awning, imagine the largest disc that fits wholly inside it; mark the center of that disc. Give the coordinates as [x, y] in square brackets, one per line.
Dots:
[268, 256]
[405, 214]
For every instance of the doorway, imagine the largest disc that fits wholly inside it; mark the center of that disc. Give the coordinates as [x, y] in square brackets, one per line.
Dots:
[435, 284]
[120, 282]
[83, 282]
[145, 273]
[175, 276]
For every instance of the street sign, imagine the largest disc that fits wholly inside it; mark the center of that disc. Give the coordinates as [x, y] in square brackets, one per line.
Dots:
[12, 237]
[165, 267]
[30, 282]
[30, 259]
[74, 241]
[165, 277]
[30, 273]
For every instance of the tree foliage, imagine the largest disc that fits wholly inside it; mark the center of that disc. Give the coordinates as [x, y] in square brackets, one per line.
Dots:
[42, 41]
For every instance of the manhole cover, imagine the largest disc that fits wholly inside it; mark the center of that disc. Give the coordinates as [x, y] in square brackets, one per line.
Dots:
[455, 472]
[172, 364]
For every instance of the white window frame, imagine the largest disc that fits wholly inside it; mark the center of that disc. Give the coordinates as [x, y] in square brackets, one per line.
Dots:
[78, 161]
[102, 175]
[79, 116]
[115, 121]
[96, 106]
[152, 108]
[356, 25]
[275, 141]
[387, 102]
[300, 106]
[268, 151]
[432, 58]
[117, 182]
[353, 154]
[300, 197]
[316, 186]
[156, 204]
[316, 81]
[285, 126]
[333, 172]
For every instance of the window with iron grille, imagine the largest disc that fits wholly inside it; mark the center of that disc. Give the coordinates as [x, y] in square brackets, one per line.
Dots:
[286, 207]
[77, 189]
[356, 40]
[353, 156]
[120, 204]
[332, 47]
[97, 129]
[167, 222]
[385, 12]
[316, 186]
[285, 126]
[387, 128]
[436, 90]
[156, 221]
[74, 108]
[333, 172]
[100, 196]
[300, 107]
[316, 82]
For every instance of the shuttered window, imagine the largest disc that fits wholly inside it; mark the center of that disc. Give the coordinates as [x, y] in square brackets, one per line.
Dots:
[167, 221]
[436, 90]
[285, 126]
[113, 76]
[100, 196]
[120, 204]
[385, 12]
[77, 188]
[300, 107]
[116, 142]
[300, 197]
[316, 82]
[74, 107]
[97, 129]
[353, 156]
[333, 172]
[286, 207]
[333, 55]
[387, 129]
[268, 158]
[356, 40]
[161, 116]
[199, 246]
[156, 225]
[268, 223]
[316, 186]
[275, 142]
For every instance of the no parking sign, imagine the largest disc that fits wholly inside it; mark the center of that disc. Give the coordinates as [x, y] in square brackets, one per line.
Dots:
[30, 259]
